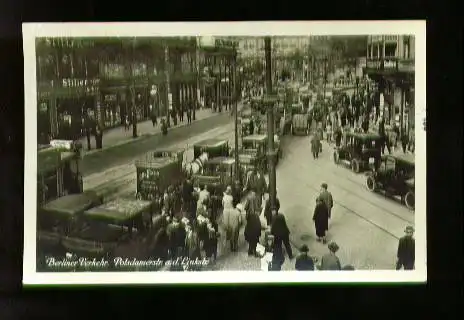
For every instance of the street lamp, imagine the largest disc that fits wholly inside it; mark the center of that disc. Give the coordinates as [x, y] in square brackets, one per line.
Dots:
[234, 61]
[269, 102]
[325, 74]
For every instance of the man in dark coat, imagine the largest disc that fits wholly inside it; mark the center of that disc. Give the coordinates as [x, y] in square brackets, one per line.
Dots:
[281, 233]
[278, 258]
[251, 126]
[189, 115]
[404, 142]
[327, 198]
[98, 136]
[187, 197]
[315, 146]
[164, 127]
[384, 139]
[304, 262]
[365, 123]
[177, 234]
[267, 210]
[338, 136]
[321, 220]
[88, 124]
[406, 250]
[257, 182]
[236, 193]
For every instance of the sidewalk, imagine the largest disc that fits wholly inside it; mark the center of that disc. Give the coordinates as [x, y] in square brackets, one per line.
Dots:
[118, 136]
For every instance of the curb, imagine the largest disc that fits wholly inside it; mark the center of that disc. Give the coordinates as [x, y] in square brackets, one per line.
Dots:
[148, 135]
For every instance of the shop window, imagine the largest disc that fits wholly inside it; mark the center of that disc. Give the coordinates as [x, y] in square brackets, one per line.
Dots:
[46, 67]
[92, 69]
[79, 66]
[111, 110]
[66, 66]
[43, 123]
[406, 49]
[390, 50]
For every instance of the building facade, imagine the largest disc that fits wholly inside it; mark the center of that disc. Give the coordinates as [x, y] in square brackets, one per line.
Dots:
[391, 63]
[219, 79]
[110, 80]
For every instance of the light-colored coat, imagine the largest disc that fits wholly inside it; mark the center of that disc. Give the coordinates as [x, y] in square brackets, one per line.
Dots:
[227, 202]
[203, 194]
[231, 220]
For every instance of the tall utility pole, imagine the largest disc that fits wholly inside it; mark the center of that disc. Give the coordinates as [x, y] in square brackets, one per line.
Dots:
[235, 101]
[272, 154]
[168, 84]
[325, 74]
[132, 88]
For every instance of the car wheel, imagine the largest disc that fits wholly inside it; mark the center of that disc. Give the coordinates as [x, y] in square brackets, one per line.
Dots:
[355, 165]
[336, 158]
[409, 200]
[371, 184]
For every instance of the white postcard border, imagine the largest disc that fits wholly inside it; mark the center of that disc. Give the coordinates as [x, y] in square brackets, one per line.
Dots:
[33, 30]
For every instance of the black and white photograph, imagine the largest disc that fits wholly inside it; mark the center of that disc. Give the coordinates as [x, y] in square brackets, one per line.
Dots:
[242, 152]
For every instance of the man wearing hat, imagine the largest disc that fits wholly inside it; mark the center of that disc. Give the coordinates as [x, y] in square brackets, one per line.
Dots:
[326, 198]
[304, 262]
[406, 250]
[330, 260]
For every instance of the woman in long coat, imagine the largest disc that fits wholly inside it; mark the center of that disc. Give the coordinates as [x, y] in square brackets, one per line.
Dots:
[231, 220]
[321, 220]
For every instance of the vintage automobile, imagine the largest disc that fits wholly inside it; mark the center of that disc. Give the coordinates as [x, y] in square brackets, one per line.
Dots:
[212, 147]
[300, 125]
[58, 170]
[155, 175]
[247, 163]
[359, 151]
[256, 146]
[395, 176]
[60, 194]
[113, 229]
[217, 174]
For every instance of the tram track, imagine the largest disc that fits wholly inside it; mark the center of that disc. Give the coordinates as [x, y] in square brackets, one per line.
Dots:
[108, 187]
[350, 192]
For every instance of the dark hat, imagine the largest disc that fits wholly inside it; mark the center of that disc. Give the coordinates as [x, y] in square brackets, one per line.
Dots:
[324, 185]
[409, 229]
[304, 248]
[333, 246]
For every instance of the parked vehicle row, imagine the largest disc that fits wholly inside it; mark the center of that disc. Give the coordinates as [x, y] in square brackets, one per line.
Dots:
[392, 174]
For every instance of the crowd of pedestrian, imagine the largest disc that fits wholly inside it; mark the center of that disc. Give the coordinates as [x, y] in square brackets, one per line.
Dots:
[205, 217]
[360, 112]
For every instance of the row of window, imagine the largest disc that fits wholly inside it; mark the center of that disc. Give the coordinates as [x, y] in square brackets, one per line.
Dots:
[391, 51]
[258, 44]
[71, 65]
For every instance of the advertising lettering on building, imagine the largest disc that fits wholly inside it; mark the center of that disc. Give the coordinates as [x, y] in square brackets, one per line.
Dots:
[406, 65]
[112, 70]
[87, 85]
[224, 43]
[139, 69]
